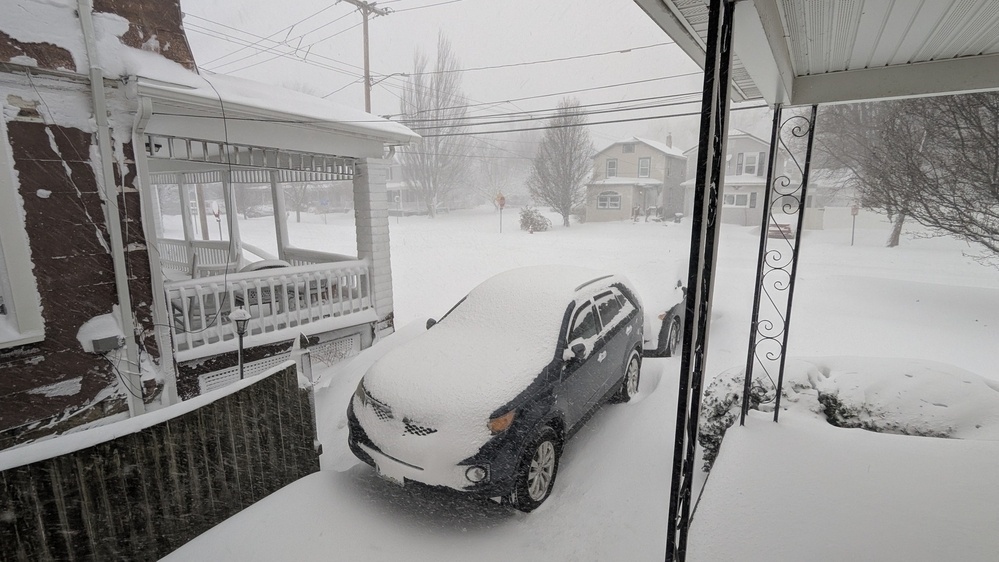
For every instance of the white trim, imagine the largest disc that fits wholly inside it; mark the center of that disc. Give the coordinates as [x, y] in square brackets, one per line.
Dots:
[24, 311]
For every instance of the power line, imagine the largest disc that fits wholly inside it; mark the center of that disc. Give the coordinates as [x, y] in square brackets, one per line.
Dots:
[289, 28]
[617, 85]
[688, 114]
[422, 7]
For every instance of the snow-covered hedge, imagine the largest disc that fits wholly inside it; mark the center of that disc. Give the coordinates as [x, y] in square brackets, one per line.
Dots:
[901, 396]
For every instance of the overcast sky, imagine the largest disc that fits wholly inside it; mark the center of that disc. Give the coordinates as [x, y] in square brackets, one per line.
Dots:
[484, 33]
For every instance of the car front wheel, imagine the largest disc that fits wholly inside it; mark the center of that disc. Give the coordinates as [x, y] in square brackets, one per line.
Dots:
[537, 471]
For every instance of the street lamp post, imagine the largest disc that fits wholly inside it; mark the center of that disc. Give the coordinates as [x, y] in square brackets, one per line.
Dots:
[241, 317]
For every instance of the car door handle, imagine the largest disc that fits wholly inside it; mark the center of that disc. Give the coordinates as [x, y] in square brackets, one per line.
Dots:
[602, 356]
[627, 332]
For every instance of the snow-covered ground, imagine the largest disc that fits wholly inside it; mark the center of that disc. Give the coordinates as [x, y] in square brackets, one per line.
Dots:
[924, 301]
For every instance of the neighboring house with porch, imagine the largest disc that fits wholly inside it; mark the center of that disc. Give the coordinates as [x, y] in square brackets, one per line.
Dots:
[121, 251]
[746, 182]
[636, 172]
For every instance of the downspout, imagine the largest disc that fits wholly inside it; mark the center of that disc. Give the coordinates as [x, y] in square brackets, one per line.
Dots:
[109, 192]
[168, 368]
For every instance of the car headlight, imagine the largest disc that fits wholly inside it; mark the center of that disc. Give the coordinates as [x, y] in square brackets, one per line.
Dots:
[500, 424]
[360, 394]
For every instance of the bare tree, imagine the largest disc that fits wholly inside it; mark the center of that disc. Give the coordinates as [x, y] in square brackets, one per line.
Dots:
[934, 160]
[562, 161]
[433, 105]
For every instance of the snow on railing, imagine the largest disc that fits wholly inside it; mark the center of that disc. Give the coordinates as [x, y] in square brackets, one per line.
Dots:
[174, 254]
[278, 299]
[300, 256]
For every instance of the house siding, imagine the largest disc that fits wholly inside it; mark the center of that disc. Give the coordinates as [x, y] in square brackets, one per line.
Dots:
[67, 232]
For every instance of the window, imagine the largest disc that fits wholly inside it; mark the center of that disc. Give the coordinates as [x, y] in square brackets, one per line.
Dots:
[752, 200]
[750, 166]
[584, 325]
[20, 309]
[608, 307]
[738, 163]
[628, 147]
[609, 200]
[737, 200]
[644, 165]
[612, 167]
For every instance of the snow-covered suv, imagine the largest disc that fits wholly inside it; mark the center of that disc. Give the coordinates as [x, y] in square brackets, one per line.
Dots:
[485, 399]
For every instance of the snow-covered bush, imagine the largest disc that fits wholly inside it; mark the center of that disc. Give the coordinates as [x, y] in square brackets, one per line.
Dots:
[532, 220]
[905, 397]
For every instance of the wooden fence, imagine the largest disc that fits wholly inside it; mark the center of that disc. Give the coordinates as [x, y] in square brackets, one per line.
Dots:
[144, 494]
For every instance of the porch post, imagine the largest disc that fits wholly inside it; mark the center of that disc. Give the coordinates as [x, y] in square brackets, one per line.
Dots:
[700, 279]
[232, 216]
[280, 221]
[185, 212]
[372, 224]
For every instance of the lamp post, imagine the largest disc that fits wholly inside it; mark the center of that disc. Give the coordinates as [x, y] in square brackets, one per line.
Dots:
[241, 317]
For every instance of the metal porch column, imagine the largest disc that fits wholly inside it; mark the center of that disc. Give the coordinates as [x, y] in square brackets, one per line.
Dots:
[700, 278]
[777, 265]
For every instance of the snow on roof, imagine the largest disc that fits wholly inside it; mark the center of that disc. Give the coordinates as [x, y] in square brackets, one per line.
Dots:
[55, 22]
[265, 99]
[660, 146]
[484, 352]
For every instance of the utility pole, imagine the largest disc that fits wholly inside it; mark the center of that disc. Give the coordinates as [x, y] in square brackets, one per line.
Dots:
[367, 8]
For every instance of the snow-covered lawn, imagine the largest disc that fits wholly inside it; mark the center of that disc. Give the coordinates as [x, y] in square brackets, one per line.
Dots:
[924, 301]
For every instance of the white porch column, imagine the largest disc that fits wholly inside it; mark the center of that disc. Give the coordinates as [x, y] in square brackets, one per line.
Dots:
[185, 213]
[280, 220]
[232, 217]
[371, 222]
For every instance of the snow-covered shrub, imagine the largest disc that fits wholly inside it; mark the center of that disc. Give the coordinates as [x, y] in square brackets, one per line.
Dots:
[579, 213]
[532, 220]
[905, 397]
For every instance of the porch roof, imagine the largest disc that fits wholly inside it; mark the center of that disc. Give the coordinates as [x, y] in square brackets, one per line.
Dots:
[801, 53]
[215, 107]
[619, 180]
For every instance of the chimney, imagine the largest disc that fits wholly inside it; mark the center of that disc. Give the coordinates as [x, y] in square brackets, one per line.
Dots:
[669, 140]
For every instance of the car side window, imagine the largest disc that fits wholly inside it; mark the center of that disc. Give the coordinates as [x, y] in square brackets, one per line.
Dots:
[584, 325]
[607, 306]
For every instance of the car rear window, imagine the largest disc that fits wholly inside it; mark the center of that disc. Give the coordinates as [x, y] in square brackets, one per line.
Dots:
[608, 306]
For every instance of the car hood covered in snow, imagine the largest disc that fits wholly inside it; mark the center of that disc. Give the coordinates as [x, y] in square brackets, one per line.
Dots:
[482, 354]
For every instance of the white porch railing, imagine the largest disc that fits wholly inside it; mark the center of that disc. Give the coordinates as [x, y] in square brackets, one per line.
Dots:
[199, 258]
[278, 300]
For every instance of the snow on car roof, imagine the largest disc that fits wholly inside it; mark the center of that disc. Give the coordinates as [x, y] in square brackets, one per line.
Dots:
[486, 351]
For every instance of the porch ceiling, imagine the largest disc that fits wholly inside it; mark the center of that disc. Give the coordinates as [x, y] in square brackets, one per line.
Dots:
[800, 52]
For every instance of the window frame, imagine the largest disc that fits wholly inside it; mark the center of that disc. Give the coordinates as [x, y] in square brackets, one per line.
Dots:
[750, 168]
[18, 285]
[610, 197]
[647, 160]
[611, 163]
[581, 309]
[732, 200]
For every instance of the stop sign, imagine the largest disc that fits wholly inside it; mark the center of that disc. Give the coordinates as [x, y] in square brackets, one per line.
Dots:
[501, 200]
[854, 210]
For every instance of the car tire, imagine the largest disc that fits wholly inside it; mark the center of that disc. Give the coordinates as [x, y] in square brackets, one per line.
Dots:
[537, 470]
[632, 377]
[669, 337]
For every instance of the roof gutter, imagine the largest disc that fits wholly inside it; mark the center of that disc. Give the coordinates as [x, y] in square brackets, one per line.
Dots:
[109, 193]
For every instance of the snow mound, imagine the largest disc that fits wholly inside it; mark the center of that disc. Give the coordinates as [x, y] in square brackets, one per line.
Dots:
[900, 396]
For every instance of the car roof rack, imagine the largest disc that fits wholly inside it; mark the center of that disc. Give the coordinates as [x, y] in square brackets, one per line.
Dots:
[592, 281]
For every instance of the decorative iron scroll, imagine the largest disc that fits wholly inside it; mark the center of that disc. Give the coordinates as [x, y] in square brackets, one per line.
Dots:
[781, 226]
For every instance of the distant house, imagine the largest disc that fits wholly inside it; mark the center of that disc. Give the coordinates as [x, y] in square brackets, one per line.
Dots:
[636, 173]
[746, 183]
[125, 175]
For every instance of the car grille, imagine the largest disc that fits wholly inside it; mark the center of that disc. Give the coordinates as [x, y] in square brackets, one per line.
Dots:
[419, 430]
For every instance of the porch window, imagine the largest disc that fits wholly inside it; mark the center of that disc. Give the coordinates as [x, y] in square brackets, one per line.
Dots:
[612, 167]
[644, 166]
[609, 200]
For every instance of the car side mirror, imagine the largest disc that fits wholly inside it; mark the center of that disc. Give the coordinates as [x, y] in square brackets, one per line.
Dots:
[431, 323]
[575, 352]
